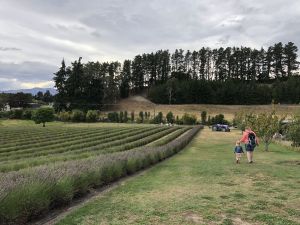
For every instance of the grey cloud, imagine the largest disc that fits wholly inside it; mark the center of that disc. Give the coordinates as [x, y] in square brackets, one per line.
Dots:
[9, 49]
[102, 30]
[27, 71]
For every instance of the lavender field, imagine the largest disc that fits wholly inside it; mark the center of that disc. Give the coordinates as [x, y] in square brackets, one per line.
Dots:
[45, 168]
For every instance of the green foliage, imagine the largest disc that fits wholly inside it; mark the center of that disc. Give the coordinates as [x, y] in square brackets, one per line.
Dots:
[188, 119]
[132, 116]
[170, 117]
[113, 117]
[91, 116]
[64, 116]
[158, 118]
[141, 116]
[16, 114]
[293, 131]
[218, 119]
[27, 114]
[43, 115]
[203, 117]
[125, 117]
[265, 126]
[77, 115]
[121, 117]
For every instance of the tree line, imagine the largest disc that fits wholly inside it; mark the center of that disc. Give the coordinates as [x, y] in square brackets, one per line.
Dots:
[204, 76]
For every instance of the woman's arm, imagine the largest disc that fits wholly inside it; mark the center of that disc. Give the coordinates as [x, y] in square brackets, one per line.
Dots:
[244, 138]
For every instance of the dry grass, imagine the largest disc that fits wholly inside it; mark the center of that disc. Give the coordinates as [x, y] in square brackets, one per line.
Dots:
[139, 103]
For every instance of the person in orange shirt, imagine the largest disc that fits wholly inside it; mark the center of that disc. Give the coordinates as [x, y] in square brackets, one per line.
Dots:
[251, 141]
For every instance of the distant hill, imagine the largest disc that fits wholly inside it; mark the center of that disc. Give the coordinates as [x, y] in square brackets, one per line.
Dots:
[139, 103]
[32, 91]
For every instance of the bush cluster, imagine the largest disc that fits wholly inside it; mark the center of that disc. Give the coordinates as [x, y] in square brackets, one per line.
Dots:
[22, 114]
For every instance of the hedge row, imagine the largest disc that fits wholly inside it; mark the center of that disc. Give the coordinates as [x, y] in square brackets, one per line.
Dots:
[29, 193]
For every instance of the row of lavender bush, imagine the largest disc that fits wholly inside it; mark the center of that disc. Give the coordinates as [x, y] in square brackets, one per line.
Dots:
[29, 193]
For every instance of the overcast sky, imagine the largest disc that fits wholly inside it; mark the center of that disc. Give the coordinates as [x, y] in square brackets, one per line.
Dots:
[35, 35]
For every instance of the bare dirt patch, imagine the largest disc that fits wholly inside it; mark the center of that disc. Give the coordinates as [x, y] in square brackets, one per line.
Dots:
[193, 218]
[239, 221]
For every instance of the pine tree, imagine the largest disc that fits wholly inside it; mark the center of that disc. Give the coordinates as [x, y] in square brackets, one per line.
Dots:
[125, 79]
[290, 58]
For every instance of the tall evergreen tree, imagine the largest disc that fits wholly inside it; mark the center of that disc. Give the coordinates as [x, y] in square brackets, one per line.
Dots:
[125, 79]
[138, 73]
[60, 84]
[290, 58]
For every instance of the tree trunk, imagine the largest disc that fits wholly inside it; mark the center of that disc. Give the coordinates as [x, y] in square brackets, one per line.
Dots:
[267, 146]
[43, 124]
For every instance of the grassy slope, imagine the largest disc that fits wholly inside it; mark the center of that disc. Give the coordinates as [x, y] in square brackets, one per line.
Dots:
[139, 103]
[202, 185]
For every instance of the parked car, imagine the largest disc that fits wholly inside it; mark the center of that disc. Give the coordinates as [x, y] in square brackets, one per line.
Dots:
[220, 127]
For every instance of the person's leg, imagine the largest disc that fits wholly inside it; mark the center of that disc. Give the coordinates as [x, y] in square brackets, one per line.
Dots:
[251, 156]
[240, 156]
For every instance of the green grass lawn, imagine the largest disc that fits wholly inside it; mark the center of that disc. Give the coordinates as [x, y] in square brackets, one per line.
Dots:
[203, 185]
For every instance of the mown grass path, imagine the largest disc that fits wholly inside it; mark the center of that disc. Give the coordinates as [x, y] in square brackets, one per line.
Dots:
[203, 185]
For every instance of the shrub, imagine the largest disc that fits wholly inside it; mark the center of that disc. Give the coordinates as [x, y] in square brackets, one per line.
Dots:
[188, 119]
[62, 192]
[4, 114]
[132, 116]
[203, 117]
[218, 119]
[16, 114]
[125, 117]
[43, 115]
[77, 116]
[170, 117]
[64, 116]
[158, 118]
[121, 117]
[113, 117]
[27, 114]
[293, 132]
[91, 116]
[141, 116]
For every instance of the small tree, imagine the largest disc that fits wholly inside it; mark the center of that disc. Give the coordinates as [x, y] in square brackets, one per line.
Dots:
[141, 114]
[209, 120]
[132, 116]
[293, 131]
[77, 115]
[121, 117]
[125, 117]
[158, 118]
[91, 116]
[188, 119]
[239, 121]
[43, 115]
[203, 117]
[265, 126]
[170, 117]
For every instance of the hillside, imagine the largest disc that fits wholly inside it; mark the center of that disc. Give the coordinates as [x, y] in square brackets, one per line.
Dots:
[139, 103]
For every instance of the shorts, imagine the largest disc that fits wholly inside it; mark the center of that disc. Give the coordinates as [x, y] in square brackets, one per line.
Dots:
[250, 148]
[238, 155]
